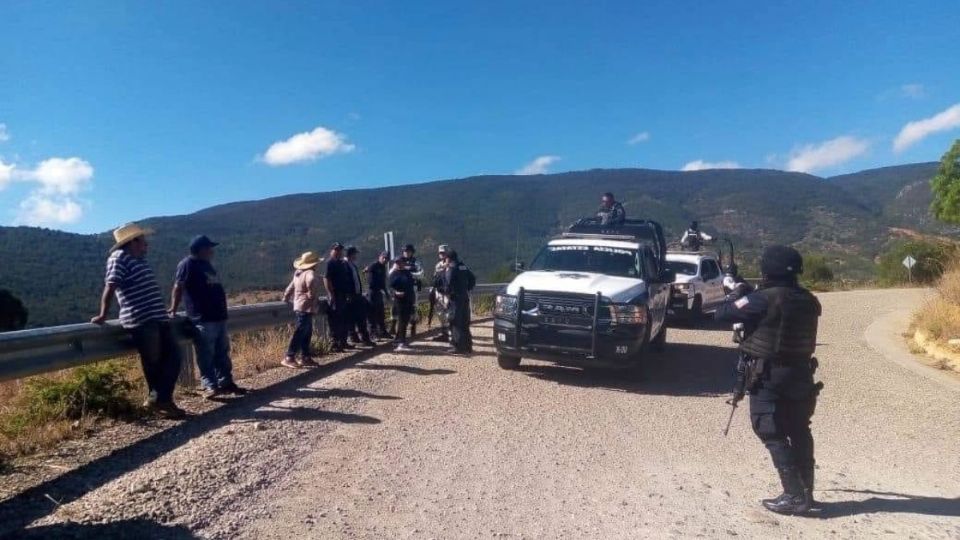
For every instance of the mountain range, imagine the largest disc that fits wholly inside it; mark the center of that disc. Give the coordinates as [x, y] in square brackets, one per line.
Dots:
[490, 220]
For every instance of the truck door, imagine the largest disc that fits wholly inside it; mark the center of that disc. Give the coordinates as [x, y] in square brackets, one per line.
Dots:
[712, 283]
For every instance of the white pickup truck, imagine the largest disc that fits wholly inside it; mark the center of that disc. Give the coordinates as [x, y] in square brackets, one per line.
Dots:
[698, 288]
[594, 296]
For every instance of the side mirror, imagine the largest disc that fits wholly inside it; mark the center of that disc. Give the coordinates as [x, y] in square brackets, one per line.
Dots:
[519, 267]
[668, 276]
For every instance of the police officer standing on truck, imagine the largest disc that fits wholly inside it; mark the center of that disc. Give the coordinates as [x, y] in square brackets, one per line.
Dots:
[780, 336]
[457, 284]
[611, 212]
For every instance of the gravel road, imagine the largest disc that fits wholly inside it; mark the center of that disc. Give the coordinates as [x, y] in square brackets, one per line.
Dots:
[431, 446]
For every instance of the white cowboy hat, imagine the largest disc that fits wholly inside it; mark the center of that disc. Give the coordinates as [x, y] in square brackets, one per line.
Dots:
[307, 261]
[443, 248]
[128, 233]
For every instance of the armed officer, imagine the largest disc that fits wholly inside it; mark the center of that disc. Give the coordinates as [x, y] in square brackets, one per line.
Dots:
[376, 290]
[693, 238]
[611, 212]
[457, 284]
[780, 336]
[439, 301]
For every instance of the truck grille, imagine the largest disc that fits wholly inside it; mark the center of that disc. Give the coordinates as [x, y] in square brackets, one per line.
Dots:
[562, 310]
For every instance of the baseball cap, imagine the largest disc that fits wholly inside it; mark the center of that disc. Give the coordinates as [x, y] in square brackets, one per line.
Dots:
[201, 242]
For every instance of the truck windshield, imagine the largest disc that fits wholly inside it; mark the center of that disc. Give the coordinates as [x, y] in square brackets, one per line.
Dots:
[598, 259]
[684, 268]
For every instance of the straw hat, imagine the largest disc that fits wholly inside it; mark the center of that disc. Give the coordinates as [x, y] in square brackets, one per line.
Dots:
[307, 261]
[128, 233]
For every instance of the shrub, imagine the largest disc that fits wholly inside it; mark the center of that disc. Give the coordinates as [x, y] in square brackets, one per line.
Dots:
[101, 389]
[932, 259]
[816, 269]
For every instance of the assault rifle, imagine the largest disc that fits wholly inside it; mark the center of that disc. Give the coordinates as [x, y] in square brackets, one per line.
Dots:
[749, 370]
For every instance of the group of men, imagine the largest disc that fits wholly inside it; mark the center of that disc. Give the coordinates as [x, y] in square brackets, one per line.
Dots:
[356, 317]
[144, 314]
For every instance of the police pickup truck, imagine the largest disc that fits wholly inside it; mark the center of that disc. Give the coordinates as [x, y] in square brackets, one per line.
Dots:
[594, 296]
[698, 288]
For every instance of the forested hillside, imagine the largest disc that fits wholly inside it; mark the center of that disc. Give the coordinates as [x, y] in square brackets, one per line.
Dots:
[58, 275]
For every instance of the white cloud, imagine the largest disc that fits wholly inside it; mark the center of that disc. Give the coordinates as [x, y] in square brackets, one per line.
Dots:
[56, 182]
[641, 137]
[812, 157]
[913, 91]
[37, 210]
[307, 146]
[4, 133]
[914, 132]
[539, 165]
[63, 176]
[6, 174]
[699, 165]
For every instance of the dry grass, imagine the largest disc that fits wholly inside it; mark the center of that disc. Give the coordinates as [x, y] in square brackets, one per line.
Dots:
[252, 353]
[940, 317]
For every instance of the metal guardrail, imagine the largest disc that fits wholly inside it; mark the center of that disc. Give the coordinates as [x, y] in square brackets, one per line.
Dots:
[42, 350]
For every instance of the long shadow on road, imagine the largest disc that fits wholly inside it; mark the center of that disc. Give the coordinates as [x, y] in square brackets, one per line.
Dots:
[897, 503]
[132, 528]
[26, 507]
[682, 370]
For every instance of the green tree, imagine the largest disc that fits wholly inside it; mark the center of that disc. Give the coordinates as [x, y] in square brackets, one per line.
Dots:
[817, 269]
[932, 259]
[13, 314]
[946, 186]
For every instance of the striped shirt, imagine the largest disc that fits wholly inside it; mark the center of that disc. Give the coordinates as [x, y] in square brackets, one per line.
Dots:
[137, 290]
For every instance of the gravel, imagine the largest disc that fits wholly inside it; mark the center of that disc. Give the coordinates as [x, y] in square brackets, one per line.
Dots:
[425, 445]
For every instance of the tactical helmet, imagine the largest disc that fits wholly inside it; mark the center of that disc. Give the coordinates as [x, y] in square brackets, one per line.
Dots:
[410, 248]
[781, 261]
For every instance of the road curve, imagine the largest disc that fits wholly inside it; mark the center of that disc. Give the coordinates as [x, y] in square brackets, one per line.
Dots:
[432, 446]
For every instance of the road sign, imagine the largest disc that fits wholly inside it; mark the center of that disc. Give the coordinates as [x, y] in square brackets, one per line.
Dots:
[909, 262]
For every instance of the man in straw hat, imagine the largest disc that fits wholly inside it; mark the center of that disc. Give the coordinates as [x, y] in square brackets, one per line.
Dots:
[197, 284]
[143, 314]
[304, 293]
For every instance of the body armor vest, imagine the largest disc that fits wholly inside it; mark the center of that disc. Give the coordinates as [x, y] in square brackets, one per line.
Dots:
[788, 330]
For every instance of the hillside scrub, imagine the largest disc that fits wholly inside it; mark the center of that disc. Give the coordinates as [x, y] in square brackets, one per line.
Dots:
[932, 257]
[938, 321]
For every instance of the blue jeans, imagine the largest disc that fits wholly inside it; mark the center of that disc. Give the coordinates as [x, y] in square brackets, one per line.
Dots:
[302, 336]
[212, 344]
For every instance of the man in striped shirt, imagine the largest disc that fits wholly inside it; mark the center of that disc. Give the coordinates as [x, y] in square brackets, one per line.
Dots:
[144, 315]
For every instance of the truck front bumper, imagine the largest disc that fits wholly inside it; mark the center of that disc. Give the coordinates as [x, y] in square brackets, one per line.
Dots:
[614, 345]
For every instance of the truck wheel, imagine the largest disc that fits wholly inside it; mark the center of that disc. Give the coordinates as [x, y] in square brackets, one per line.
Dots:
[508, 362]
[639, 360]
[659, 343]
[696, 312]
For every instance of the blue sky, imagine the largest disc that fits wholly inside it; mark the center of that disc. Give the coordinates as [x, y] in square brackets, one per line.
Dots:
[114, 111]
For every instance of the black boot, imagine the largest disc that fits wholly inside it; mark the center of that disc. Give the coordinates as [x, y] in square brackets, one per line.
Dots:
[807, 475]
[794, 498]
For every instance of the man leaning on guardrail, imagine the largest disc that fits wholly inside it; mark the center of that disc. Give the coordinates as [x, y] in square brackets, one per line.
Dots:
[144, 315]
[197, 284]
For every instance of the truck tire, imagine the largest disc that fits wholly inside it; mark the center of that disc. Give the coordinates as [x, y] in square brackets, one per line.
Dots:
[659, 343]
[639, 360]
[508, 362]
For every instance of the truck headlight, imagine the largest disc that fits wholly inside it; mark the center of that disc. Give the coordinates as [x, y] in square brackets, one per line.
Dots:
[628, 314]
[506, 306]
[683, 288]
